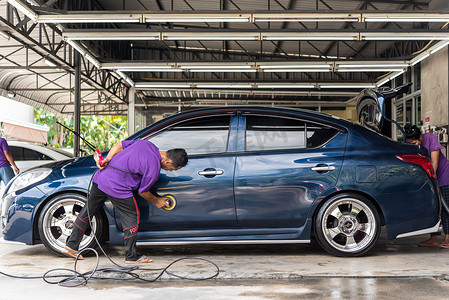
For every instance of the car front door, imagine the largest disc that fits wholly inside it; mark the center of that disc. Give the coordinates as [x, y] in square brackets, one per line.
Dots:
[204, 188]
[286, 164]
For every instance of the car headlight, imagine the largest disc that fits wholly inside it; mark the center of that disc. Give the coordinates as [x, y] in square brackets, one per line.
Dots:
[27, 178]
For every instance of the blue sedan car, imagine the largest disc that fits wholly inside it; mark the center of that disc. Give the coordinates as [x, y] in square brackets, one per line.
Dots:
[255, 175]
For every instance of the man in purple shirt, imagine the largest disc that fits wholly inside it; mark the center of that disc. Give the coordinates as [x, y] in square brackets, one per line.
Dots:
[129, 166]
[6, 161]
[441, 166]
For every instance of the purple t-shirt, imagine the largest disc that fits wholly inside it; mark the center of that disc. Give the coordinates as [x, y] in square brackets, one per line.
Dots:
[431, 143]
[140, 157]
[4, 147]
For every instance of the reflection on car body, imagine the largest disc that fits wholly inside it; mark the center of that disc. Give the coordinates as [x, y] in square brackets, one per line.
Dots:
[255, 175]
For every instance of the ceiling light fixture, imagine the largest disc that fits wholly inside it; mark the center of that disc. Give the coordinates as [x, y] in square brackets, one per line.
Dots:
[298, 66]
[285, 86]
[347, 86]
[297, 70]
[23, 8]
[162, 85]
[49, 62]
[222, 70]
[225, 86]
[5, 35]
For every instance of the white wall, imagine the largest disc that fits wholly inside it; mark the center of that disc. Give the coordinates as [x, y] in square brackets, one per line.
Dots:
[16, 111]
[434, 88]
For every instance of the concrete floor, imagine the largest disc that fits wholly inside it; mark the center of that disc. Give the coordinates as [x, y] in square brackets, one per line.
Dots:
[253, 272]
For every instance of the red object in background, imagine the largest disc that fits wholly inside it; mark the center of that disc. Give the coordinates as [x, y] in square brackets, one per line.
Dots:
[98, 157]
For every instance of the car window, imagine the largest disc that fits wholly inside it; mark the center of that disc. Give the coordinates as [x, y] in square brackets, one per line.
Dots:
[318, 135]
[16, 152]
[200, 136]
[277, 133]
[20, 154]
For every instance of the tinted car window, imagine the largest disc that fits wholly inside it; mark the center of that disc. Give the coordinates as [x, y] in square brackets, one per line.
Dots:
[275, 133]
[20, 154]
[199, 136]
[318, 135]
[16, 152]
[269, 133]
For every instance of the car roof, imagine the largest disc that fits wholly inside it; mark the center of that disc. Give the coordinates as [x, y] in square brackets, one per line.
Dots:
[54, 153]
[314, 115]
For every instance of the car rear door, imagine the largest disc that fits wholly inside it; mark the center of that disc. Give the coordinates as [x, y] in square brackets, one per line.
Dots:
[204, 188]
[286, 164]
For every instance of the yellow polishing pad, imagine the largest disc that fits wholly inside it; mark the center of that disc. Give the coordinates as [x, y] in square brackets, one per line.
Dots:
[171, 201]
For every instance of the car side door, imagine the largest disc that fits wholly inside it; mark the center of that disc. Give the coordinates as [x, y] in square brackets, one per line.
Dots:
[204, 188]
[286, 164]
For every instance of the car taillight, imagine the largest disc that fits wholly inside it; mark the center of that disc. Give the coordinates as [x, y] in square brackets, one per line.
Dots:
[420, 160]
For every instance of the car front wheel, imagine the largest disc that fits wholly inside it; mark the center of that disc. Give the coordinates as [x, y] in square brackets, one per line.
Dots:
[57, 219]
[347, 225]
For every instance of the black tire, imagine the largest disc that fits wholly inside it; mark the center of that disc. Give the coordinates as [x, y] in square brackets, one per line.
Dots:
[347, 225]
[56, 222]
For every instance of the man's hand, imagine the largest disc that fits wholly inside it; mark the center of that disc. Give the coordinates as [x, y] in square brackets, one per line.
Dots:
[16, 170]
[104, 163]
[158, 201]
[161, 202]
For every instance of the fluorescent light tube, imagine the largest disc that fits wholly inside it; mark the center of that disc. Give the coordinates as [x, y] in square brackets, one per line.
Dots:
[49, 62]
[135, 66]
[285, 86]
[149, 70]
[210, 38]
[369, 69]
[382, 82]
[222, 70]
[366, 86]
[113, 38]
[386, 65]
[77, 47]
[216, 66]
[93, 60]
[406, 19]
[194, 20]
[24, 9]
[225, 86]
[299, 19]
[439, 46]
[294, 66]
[161, 85]
[297, 70]
[309, 38]
[419, 58]
[5, 35]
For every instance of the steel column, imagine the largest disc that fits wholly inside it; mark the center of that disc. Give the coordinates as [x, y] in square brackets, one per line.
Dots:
[131, 111]
[77, 105]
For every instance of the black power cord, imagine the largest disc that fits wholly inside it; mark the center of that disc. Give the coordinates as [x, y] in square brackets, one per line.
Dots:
[73, 278]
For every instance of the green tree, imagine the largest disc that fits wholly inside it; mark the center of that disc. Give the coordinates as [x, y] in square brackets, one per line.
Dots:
[101, 131]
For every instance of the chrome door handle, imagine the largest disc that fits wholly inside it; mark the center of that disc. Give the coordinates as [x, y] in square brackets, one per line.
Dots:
[323, 168]
[211, 172]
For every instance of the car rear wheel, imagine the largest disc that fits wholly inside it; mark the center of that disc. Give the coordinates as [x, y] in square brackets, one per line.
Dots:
[347, 225]
[56, 222]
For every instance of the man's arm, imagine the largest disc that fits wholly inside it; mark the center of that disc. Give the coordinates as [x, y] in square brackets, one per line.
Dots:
[11, 160]
[159, 201]
[114, 150]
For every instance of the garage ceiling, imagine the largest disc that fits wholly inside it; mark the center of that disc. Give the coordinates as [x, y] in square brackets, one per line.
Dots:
[201, 52]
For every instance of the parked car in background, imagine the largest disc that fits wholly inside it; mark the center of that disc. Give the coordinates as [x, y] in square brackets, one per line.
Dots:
[255, 175]
[28, 155]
